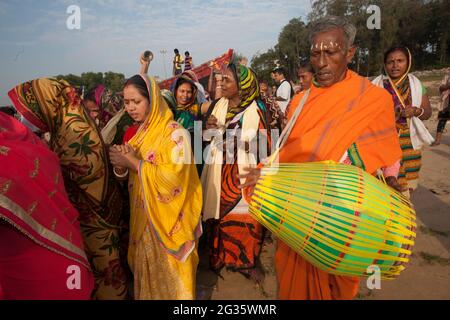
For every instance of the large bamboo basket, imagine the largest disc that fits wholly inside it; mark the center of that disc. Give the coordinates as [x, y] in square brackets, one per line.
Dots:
[338, 217]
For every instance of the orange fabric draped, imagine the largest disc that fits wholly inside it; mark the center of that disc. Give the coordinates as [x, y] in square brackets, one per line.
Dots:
[300, 280]
[332, 119]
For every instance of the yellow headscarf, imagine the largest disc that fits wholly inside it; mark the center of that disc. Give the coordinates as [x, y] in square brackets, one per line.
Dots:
[166, 191]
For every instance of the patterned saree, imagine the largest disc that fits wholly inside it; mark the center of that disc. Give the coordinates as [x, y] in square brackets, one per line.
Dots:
[411, 159]
[234, 237]
[54, 106]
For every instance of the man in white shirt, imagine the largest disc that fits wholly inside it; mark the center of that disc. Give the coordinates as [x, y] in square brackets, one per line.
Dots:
[284, 91]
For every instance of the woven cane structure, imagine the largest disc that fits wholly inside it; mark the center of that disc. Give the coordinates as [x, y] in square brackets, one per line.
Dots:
[338, 217]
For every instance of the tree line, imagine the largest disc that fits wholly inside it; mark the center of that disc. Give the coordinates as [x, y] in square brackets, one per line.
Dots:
[89, 80]
[421, 25]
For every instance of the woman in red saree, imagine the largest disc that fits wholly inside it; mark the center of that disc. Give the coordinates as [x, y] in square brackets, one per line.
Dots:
[41, 249]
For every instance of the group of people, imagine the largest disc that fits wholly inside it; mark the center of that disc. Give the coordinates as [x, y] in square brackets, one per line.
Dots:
[119, 196]
[178, 61]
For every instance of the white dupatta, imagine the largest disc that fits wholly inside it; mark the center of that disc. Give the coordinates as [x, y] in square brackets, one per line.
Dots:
[418, 132]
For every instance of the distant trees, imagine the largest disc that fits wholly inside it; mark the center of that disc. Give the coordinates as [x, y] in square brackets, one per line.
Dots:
[89, 80]
[421, 25]
[291, 48]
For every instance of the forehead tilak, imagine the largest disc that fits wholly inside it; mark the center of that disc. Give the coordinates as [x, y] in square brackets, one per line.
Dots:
[324, 45]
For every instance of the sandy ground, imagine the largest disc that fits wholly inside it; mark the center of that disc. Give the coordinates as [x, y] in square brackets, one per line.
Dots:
[427, 276]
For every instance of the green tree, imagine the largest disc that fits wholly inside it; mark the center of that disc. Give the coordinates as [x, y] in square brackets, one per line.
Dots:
[74, 80]
[421, 25]
[89, 80]
[438, 30]
[292, 47]
[114, 81]
[92, 79]
[264, 63]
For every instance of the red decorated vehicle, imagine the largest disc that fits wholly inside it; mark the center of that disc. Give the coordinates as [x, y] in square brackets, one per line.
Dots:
[203, 71]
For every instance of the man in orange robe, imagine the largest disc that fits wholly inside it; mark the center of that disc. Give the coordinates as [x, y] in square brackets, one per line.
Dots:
[342, 111]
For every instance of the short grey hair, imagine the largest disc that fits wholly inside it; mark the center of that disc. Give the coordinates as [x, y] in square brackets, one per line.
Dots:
[328, 23]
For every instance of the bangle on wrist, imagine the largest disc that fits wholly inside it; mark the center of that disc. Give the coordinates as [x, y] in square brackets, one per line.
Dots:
[421, 112]
[120, 175]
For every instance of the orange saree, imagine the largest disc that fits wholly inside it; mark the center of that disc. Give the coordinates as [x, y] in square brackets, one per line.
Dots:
[351, 113]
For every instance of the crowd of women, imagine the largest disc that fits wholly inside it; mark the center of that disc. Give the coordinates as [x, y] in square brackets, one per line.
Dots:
[114, 206]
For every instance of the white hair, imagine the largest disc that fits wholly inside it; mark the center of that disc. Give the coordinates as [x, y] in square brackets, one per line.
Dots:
[333, 22]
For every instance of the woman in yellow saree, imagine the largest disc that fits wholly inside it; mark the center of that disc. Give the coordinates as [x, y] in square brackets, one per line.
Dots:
[165, 196]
